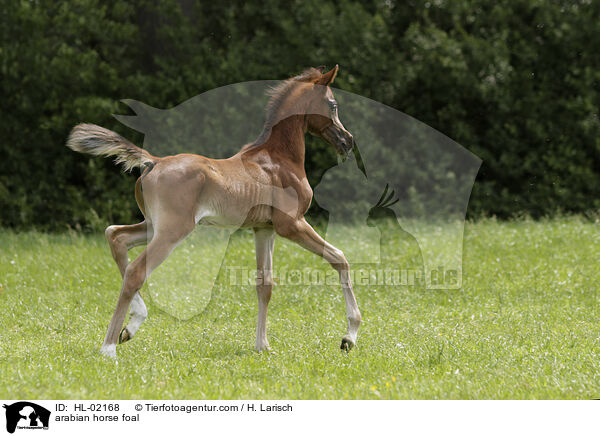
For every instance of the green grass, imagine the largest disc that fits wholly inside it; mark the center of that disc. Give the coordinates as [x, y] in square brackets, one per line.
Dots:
[524, 325]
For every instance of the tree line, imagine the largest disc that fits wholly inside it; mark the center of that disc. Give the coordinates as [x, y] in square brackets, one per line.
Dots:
[516, 82]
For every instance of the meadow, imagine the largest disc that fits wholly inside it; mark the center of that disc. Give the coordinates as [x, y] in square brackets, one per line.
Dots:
[524, 325]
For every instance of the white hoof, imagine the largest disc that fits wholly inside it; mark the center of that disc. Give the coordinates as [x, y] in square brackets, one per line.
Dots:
[109, 350]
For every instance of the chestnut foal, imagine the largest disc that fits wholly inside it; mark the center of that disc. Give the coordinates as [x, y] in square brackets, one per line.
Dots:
[264, 186]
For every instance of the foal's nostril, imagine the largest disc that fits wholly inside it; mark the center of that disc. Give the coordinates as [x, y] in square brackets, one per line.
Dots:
[348, 142]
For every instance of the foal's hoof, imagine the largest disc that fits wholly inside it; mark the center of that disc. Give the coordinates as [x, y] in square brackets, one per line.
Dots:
[124, 336]
[347, 343]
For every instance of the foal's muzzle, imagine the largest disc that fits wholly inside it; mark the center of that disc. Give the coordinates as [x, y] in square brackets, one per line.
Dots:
[341, 139]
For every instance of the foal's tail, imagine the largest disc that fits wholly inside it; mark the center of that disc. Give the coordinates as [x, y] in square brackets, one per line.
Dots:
[96, 140]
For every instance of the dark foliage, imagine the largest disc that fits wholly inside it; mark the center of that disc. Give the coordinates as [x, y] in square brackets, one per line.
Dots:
[516, 82]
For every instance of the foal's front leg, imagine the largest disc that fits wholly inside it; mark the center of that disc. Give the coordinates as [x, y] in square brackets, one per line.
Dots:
[303, 234]
[264, 240]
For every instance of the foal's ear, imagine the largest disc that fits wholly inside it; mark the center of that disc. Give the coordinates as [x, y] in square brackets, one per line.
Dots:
[328, 77]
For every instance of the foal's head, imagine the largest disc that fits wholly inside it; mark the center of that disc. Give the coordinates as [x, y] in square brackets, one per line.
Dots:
[322, 114]
[309, 95]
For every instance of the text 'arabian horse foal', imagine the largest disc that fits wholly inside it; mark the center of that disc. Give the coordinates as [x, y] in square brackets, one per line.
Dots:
[263, 186]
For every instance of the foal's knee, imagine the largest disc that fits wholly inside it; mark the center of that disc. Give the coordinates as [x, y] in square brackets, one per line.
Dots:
[264, 292]
[339, 261]
[264, 286]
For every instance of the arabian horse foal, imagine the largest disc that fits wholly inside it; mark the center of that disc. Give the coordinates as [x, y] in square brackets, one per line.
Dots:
[263, 186]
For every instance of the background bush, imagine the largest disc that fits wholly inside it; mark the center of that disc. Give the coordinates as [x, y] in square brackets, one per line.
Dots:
[515, 82]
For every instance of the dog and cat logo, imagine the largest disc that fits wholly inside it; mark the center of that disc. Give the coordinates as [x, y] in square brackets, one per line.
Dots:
[26, 415]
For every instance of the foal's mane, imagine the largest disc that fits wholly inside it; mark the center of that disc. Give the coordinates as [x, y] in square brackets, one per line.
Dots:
[279, 94]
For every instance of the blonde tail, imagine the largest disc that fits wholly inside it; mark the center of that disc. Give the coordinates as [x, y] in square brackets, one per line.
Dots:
[98, 141]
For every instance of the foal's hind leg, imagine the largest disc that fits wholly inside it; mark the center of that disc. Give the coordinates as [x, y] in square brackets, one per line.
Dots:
[137, 315]
[136, 274]
[121, 239]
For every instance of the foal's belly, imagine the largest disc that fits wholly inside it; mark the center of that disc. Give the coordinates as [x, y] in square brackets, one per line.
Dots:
[231, 208]
[258, 216]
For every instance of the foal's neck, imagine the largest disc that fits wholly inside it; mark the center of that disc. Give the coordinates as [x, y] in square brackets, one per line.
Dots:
[287, 139]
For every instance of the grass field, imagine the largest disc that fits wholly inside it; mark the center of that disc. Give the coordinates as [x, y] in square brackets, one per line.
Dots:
[524, 325]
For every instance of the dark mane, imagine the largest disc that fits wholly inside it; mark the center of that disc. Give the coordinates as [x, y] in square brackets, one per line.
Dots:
[279, 94]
